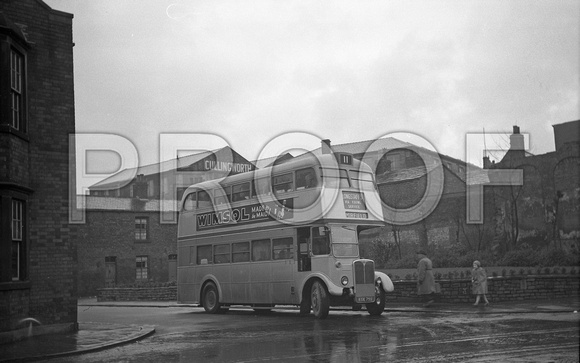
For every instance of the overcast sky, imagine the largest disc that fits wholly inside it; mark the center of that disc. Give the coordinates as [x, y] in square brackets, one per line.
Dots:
[249, 71]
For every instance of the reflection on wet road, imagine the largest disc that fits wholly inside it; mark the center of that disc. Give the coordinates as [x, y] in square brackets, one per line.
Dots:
[243, 336]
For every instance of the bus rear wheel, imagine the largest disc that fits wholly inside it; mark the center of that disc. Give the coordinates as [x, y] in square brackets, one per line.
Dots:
[377, 308]
[319, 300]
[211, 302]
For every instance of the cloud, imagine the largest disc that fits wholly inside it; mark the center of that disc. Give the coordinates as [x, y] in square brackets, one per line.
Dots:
[348, 71]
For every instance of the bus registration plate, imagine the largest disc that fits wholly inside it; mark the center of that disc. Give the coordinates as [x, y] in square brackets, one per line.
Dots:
[365, 299]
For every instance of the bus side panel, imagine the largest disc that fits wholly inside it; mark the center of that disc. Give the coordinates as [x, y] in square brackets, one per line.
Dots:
[283, 282]
[240, 283]
[186, 225]
[261, 278]
[222, 274]
[186, 291]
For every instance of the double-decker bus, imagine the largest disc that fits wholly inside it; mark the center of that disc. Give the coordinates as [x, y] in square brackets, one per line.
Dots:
[283, 235]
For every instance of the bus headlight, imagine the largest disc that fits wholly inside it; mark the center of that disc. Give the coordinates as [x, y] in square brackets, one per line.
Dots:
[338, 264]
[344, 281]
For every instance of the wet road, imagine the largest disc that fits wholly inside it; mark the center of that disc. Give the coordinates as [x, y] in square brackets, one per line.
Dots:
[190, 335]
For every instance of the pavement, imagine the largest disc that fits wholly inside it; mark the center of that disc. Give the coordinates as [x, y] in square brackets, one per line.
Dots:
[98, 336]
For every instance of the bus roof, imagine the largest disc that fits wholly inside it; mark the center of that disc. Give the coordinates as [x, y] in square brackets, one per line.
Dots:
[302, 161]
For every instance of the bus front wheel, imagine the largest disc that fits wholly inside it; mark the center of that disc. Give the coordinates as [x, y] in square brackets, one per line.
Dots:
[211, 302]
[377, 308]
[319, 300]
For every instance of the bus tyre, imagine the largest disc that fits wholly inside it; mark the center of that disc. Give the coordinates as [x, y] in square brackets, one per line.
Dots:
[377, 308]
[211, 300]
[319, 300]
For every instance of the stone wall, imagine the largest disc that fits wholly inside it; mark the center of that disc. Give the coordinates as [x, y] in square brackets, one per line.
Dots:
[512, 288]
[138, 294]
[452, 291]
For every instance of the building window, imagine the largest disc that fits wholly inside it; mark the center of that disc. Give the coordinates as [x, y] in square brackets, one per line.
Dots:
[16, 89]
[150, 189]
[13, 46]
[17, 252]
[13, 105]
[142, 267]
[13, 238]
[141, 228]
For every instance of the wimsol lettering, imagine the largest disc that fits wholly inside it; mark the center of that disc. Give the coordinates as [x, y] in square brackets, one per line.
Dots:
[251, 213]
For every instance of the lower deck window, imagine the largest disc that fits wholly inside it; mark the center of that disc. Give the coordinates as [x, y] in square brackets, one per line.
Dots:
[241, 252]
[261, 250]
[204, 255]
[221, 253]
[283, 248]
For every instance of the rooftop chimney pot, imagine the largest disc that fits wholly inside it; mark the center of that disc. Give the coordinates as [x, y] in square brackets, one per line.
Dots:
[325, 146]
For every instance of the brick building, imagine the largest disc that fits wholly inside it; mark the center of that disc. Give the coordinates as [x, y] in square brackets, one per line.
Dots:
[405, 175]
[124, 242]
[38, 246]
[130, 233]
[126, 239]
[546, 208]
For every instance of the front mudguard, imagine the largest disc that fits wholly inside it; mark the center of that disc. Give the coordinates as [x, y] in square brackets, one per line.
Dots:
[385, 281]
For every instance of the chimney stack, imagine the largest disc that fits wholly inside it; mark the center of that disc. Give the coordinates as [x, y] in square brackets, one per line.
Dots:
[517, 140]
[325, 147]
[486, 162]
[140, 187]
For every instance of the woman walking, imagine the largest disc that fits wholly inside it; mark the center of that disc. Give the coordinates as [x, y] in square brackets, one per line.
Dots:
[479, 282]
[425, 280]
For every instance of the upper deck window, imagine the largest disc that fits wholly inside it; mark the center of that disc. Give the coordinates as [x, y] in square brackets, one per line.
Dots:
[306, 178]
[283, 183]
[262, 186]
[190, 202]
[203, 199]
[197, 199]
[221, 195]
[363, 180]
[336, 177]
[240, 192]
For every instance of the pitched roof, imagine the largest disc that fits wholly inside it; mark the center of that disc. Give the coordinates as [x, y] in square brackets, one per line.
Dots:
[359, 147]
[266, 162]
[126, 175]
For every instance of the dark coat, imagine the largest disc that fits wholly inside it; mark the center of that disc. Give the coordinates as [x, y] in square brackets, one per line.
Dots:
[478, 281]
[426, 280]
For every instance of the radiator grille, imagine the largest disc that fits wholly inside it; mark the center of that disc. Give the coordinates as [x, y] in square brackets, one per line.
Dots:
[364, 272]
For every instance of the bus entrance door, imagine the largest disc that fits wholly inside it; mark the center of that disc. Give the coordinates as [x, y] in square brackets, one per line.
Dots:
[304, 263]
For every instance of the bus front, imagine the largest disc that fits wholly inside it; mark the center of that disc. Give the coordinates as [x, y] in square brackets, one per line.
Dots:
[351, 206]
